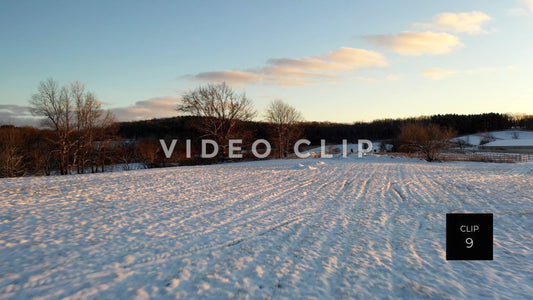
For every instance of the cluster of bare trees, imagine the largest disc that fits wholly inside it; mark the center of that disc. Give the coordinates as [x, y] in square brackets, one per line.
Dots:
[223, 113]
[24, 150]
[80, 127]
[34, 151]
[11, 153]
[80, 136]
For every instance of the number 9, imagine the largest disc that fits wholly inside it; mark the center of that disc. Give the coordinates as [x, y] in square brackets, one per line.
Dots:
[469, 243]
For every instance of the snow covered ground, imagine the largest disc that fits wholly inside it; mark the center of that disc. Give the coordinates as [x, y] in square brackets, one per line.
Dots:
[511, 143]
[314, 228]
[505, 137]
[350, 148]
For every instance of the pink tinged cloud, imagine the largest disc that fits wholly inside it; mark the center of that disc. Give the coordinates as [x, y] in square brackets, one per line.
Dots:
[302, 71]
[229, 76]
[356, 58]
[392, 77]
[342, 59]
[470, 22]
[417, 43]
[438, 73]
[301, 64]
[528, 4]
[159, 107]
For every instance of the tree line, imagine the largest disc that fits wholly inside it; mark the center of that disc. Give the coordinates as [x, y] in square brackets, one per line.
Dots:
[78, 136]
[182, 127]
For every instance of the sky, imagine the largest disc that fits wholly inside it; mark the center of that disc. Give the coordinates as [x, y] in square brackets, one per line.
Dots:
[338, 61]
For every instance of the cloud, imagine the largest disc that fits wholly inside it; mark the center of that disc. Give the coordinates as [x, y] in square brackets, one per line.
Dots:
[342, 59]
[526, 9]
[528, 4]
[18, 115]
[312, 63]
[365, 79]
[352, 58]
[438, 73]
[228, 76]
[517, 12]
[392, 77]
[471, 22]
[159, 107]
[302, 71]
[417, 43]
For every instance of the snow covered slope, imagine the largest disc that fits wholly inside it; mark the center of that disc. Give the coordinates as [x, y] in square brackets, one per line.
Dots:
[511, 143]
[509, 136]
[331, 228]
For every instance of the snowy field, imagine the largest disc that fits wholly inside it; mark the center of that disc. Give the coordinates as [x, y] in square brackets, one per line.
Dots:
[315, 228]
[504, 138]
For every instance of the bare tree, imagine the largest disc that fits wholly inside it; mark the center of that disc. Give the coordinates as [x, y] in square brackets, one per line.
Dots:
[461, 143]
[487, 138]
[90, 120]
[149, 152]
[429, 140]
[52, 102]
[221, 110]
[102, 140]
[75, 116]
[11, 152]
[285, 120]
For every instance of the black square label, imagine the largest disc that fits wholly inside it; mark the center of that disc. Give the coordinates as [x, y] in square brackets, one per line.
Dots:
[468, 236]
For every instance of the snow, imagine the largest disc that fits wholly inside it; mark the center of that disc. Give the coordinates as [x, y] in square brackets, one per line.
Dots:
[511, 143]
[338, 148]
[472, 139]
[313, 228]
[508, 135]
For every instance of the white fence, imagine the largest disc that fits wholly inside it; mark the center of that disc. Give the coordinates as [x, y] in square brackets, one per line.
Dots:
[488, 157]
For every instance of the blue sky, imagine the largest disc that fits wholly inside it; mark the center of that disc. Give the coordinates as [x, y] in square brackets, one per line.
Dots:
[341, 61]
